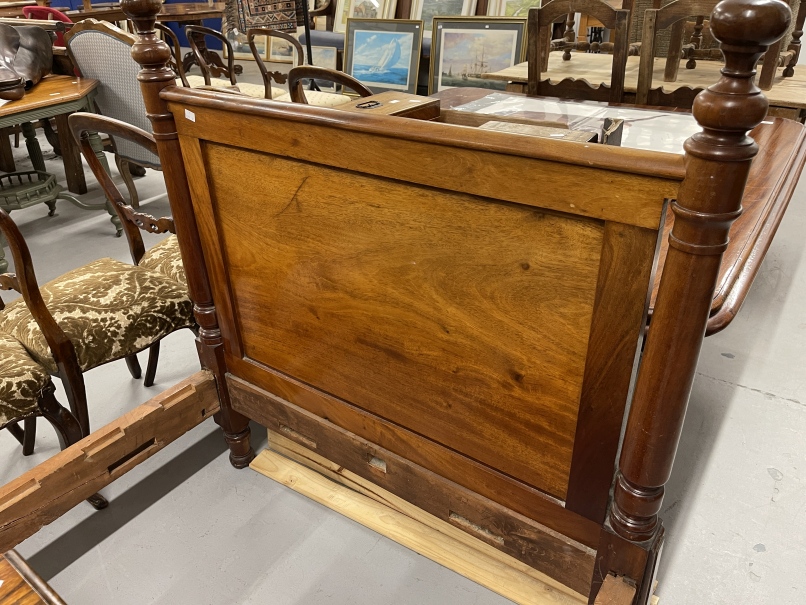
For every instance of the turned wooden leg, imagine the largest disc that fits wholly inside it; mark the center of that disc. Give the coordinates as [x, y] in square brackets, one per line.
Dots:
[568, 36]
[696, 41]
[708, 202]
[795, 44]
[34, 151]
[6, 154]
[71, 157]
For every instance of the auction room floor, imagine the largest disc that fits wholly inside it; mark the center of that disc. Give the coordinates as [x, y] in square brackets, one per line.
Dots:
[186, 528]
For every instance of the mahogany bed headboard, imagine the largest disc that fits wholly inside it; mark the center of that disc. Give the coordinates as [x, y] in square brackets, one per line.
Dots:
[436, 298]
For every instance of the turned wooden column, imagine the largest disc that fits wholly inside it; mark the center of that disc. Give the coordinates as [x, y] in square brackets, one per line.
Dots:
[153, 56]
[718, 160]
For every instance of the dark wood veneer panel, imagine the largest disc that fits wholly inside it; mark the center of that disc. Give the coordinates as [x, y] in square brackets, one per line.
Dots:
[463, 319]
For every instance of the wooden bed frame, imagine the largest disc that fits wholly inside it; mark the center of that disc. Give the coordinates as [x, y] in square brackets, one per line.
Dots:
[406, 299]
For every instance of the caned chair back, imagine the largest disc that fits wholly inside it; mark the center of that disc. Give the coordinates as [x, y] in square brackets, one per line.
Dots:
[103, 52]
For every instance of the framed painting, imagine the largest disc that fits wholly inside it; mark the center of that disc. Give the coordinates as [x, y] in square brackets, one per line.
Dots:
[362, 9]
[281, 51]
[426, 10]
[325, 56]
[511, 8]
[464, 49]
[240, 46]
[384, 54]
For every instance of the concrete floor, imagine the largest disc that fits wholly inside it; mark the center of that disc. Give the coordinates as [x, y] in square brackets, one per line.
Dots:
[186, 528]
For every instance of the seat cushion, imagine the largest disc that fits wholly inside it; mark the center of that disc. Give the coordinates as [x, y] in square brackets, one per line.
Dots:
[258, 90]
[319, 99]
[21, 382]
[164, 258]
[108, 309]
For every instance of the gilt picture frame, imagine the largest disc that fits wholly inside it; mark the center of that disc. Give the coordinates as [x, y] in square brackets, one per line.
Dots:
[511, 8]
[361, 9]
[426, 10]
[463, 49]
[384, 54]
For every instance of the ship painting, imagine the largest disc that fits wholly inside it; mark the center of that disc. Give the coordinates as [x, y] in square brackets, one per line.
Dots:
[466, 55]
[382, 60]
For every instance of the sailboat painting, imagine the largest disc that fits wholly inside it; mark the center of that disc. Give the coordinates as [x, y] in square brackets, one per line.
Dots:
[467, 54]
[383, 59]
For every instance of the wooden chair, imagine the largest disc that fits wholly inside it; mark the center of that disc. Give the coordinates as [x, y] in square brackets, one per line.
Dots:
[675, 16]
[100, 312]
[540, 25]
[195, 35]
[786, 52]
[101, 51]
[314, 97]
[27, 392]
[311, 72]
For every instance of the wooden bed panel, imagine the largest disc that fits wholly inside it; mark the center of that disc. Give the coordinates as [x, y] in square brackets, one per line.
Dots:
[361, 295]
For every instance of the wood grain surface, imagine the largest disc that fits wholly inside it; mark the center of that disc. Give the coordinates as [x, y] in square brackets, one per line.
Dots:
[595, 69]
[404, 301]
[51, 90]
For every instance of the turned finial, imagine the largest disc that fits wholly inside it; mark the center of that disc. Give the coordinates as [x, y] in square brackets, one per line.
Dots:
[149, 51]
[734, 105]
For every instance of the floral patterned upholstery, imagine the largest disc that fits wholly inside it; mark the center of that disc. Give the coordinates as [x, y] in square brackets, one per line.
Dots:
[108, 309]
[21, 382]
[319, 99]
[252, 90]
[164, 258]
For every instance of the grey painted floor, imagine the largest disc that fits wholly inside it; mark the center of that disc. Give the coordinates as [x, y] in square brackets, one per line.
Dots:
[186, 528]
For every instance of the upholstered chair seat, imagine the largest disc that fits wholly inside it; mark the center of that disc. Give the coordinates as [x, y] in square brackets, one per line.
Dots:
[164, 258]
[107, 309]
[21, 382]
[318, 98]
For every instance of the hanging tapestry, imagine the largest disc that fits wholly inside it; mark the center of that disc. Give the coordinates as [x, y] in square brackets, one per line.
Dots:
[272, 14]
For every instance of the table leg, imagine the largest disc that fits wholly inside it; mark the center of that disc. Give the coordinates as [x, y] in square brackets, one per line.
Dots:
[98, 148]
[71, 156]
[6, 155]
[34, 151]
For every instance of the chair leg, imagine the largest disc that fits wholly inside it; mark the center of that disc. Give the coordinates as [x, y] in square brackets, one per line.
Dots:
[26, 435]
[123, 169]
[151, 368]
[67, 429]
[134, 366]
[73, 382]
[29, 436]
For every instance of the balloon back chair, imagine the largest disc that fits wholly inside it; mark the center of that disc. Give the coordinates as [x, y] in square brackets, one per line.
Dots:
[105, 310]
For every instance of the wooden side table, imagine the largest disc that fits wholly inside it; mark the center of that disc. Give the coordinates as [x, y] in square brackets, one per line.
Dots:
[22, 585]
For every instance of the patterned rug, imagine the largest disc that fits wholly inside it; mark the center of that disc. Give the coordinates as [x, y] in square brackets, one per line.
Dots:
[272, 14]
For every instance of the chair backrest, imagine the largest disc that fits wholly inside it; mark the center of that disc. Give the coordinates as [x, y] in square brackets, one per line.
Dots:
[308, 72]
[539, 42]
[673, 15]
[195, 35]
[132, 221]
[103, 52]
[268, 76]
[176, 51]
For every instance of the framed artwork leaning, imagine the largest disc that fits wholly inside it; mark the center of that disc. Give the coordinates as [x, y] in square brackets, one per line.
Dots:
[362, 9]
[383, 54]
[463, 49]
[325, 56]
[426, 10]
[281, 51]
[511, 8]
[240, 46]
